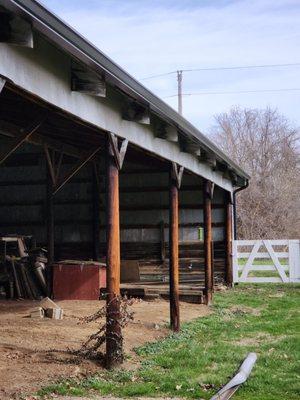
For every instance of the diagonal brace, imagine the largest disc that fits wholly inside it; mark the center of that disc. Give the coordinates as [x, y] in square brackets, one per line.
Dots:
[177, 173]
[74, 170]
[20, 139]
[119, 155]
[2, 83]
[53, 166]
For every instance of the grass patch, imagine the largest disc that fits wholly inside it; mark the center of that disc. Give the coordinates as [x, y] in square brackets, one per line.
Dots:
[200, 359]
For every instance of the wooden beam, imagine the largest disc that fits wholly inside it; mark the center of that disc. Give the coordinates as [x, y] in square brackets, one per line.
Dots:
[122, 226]
[2, 83]
[50, 232]
[85, 80]
[15, 30]
[74, 170]
[96, 213]
[12, 130]
[207, 214]
[114, 339]
[162, 241]
[23, 136]
[228, 239]
[54, 164]
[174, 251]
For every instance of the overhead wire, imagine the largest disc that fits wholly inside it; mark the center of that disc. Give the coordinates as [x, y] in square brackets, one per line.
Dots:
[235, 92]
[241, 67]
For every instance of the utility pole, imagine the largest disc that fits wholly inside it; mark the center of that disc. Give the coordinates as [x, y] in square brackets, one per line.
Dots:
[179, 80]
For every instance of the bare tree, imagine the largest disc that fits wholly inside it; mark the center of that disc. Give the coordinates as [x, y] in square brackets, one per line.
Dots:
[265, 144]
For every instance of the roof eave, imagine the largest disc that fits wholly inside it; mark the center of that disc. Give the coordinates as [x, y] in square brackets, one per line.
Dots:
[71, 41]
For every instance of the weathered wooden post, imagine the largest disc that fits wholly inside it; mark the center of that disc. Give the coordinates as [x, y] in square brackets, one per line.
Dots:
[50, 232]
[114, 339]
[208, 265]
[96, 214]
[174, 185]
[228, 240]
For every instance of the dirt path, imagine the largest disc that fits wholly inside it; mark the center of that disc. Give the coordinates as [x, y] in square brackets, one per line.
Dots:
[32, 351]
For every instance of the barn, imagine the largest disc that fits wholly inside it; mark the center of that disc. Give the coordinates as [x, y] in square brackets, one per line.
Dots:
[96, 167]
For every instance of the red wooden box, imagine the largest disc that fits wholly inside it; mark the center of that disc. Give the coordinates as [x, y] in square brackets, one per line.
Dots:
[76, 280]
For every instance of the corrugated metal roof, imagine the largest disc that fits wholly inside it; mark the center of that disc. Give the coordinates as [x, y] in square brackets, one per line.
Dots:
[47, 23]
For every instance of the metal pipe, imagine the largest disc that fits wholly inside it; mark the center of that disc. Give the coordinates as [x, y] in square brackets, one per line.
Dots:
[242, 375]
[234, 208]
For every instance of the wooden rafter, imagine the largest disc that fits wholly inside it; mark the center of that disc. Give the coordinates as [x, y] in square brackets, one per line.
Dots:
[22, 137]
[119, 155]
[74, 170]
[11, 130]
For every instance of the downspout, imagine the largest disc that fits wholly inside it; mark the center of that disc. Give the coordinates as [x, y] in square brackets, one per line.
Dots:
[234, 208]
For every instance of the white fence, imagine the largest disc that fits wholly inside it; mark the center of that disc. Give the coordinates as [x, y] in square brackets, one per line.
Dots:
[266, 261]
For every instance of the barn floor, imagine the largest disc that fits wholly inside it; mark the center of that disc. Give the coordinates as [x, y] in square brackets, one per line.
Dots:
[33, 352]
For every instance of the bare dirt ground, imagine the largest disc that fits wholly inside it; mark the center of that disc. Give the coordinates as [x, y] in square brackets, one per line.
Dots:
[34, 352]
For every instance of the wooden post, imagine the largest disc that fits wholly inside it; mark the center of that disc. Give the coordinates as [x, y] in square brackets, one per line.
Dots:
[114, 339]
[50, 232]
[96, 215]
[175, 181]
[162, 242]
[207, 197]
[228, 241]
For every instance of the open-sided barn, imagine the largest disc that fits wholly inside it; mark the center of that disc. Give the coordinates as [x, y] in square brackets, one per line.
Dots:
[93, 165]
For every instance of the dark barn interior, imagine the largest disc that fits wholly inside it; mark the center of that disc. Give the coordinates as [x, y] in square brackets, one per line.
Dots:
[44, 150]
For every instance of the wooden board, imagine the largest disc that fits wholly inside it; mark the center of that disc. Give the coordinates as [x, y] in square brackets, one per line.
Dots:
[130, 271]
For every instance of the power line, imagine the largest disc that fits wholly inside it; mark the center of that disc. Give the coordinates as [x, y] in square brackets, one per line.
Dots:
[236, 92]
[223, 69]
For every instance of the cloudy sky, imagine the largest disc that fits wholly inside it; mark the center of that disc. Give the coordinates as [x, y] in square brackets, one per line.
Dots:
[149, 37]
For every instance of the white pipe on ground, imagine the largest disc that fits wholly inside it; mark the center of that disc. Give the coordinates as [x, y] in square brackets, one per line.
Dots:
[241, 377]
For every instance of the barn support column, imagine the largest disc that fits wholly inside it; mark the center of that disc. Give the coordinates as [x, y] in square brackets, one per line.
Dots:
[114, 339]
[208, 264]
[50, 232]
[174, 185]
[96, 214]
[228, 241]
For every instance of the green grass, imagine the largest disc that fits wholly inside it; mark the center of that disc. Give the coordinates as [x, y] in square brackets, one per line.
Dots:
[207, 352]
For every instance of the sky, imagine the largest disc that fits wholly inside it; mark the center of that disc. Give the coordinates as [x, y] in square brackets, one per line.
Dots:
[150, 37]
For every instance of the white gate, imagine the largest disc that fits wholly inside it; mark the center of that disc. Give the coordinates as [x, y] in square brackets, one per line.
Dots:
[266, 261]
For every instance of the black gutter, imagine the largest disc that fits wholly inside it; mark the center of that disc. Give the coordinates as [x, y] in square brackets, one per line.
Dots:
[234, 208]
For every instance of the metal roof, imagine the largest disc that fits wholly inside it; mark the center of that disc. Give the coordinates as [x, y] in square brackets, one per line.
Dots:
[56, 30]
